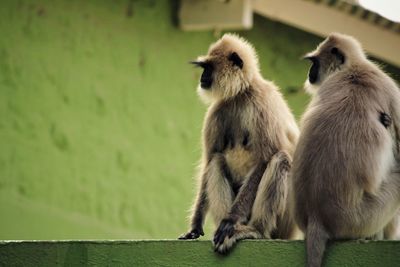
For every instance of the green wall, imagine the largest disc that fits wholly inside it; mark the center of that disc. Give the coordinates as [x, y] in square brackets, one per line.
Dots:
[100, 122]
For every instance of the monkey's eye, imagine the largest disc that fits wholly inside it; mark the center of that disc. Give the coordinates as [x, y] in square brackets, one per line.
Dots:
[236, 60]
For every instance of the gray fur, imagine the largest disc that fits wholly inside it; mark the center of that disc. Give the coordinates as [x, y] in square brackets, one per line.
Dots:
[345, 181]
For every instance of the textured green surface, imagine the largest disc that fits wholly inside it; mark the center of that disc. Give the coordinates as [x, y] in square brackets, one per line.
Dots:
[99, 119]
[192, 253]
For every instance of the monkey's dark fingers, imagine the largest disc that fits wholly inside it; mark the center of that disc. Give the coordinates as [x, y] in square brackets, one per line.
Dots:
[183, 236]
[225, 247]
[189, 235]
[219, 237]
[221, 249]
[225, 229]
[228, 226]
[201, 232]
[193, 234]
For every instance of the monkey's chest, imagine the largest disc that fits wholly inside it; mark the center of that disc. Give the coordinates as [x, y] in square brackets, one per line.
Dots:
[240, 162]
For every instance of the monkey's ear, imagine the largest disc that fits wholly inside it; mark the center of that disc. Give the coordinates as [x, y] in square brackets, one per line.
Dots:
[339, 55]
[236, 60]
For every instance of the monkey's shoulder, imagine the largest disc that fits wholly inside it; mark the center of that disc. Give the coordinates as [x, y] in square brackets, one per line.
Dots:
[363, 76]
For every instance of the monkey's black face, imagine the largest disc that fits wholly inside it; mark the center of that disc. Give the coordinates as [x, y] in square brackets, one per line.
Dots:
[314, 70]
[206, 79]
[324, 64]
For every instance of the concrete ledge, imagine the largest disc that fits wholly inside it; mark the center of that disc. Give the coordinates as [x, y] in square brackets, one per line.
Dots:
[191, 253]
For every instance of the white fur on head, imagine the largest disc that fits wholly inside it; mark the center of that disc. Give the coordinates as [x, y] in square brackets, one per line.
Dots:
[348, 45]
[229, 80]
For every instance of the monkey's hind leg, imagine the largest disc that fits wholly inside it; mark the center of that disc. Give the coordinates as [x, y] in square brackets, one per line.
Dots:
[270, 202]
[271, 199]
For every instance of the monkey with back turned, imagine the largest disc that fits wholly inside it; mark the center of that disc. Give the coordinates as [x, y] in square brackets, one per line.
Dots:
[346, 180]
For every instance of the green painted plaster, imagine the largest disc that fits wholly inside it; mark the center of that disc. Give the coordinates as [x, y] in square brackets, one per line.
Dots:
[193, 253]
[99, 119]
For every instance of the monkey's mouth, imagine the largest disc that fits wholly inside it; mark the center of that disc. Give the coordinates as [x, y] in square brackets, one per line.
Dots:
[206, 83]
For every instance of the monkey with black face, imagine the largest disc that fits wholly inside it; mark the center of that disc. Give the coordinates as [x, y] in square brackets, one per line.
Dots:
[346, 180]
[249, 135]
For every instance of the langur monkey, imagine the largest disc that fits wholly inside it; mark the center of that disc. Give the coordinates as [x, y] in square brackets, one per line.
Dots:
[249, 135]
[345, 175]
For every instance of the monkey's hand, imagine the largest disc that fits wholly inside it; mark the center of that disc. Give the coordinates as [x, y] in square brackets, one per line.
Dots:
[223, 234]
[193, 234]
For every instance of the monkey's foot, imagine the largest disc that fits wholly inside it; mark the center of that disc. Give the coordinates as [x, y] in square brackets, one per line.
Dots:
[229, 233]
[193, 234]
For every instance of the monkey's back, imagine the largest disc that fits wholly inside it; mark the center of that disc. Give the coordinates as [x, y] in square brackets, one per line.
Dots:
[343, 149]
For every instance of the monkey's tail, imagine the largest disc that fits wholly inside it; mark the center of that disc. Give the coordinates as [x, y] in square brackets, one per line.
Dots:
[316, 239]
